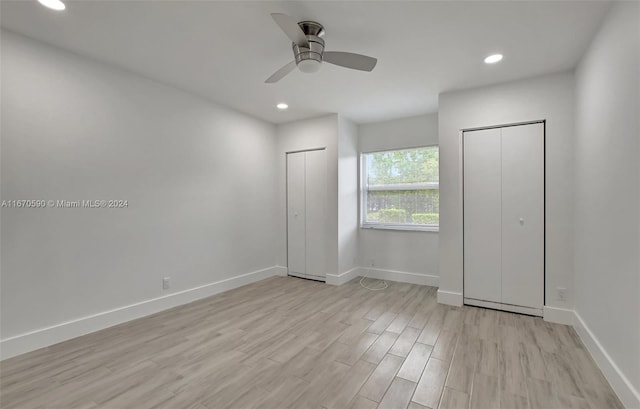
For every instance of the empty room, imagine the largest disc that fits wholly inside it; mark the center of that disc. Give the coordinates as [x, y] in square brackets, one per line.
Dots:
[319, 204]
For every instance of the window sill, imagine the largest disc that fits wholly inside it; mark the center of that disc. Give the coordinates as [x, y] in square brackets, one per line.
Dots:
[434, 229]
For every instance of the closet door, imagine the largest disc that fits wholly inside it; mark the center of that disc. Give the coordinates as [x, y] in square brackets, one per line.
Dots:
[296, 217]
[523, 215]
[504, 218]
[482, 215]
[316, 198]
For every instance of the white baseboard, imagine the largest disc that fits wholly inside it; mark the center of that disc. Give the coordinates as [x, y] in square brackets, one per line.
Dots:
[627, 393]
[381, 274]
[558, 315]
[339, 279]
[399, 276]
[280, 271]
[44, 337]
[450, 298]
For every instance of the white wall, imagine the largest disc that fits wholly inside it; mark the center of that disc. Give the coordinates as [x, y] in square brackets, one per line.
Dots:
[347, 195]
[405, 251]
[607, 202]
[302, 135]
[549, 97]
[199, 180]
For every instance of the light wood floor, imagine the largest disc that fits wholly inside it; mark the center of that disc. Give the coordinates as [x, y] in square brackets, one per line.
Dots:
[293, 343]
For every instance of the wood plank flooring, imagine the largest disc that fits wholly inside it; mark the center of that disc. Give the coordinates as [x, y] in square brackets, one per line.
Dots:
[292, 343]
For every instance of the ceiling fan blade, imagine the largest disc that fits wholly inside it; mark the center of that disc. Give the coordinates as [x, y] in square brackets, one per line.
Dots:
[281, 73]
[350, 60]
[291, 29]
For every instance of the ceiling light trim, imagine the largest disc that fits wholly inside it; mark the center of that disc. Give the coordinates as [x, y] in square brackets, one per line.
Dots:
[56, 5]
[493, 58]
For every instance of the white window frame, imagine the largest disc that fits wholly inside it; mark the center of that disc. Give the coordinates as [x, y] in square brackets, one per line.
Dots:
[364, 188]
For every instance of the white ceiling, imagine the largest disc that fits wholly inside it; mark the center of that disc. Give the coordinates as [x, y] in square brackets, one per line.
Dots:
[224, 51]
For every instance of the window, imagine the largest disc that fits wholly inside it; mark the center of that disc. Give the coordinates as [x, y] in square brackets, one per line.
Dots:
[400, 189]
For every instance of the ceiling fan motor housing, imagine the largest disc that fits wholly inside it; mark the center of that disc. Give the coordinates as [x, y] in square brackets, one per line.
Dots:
[308, 59]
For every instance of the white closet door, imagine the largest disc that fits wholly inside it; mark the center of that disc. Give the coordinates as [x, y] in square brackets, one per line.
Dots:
[482, 215]
[523, 215]
[316, 198]
[296, 218]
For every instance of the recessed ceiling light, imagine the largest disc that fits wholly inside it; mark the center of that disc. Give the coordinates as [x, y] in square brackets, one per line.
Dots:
[282, 105]
[492, 59]
[53, 4]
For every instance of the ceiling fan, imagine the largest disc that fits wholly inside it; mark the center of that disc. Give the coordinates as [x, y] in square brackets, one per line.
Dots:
[308, 49]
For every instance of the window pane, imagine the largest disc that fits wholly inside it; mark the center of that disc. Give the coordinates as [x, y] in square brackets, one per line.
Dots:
[404, 206]
[404, 166]
[402, 187]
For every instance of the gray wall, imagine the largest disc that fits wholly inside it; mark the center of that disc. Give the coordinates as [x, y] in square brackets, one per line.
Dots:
[199, 179]
[607, 201]
[406, 251]
[347, 195]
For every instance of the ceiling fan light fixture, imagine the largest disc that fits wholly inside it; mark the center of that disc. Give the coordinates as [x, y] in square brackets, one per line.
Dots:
[53, 4]
[309, 66]
[493, 58]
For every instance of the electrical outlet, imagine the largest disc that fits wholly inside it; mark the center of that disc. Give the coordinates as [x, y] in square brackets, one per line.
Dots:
[562, 294]
[166, 283]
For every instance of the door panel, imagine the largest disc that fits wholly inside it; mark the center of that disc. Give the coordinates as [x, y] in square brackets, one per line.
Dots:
[523, 215]
[296, 243]
[482, 215]
[316, 198]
